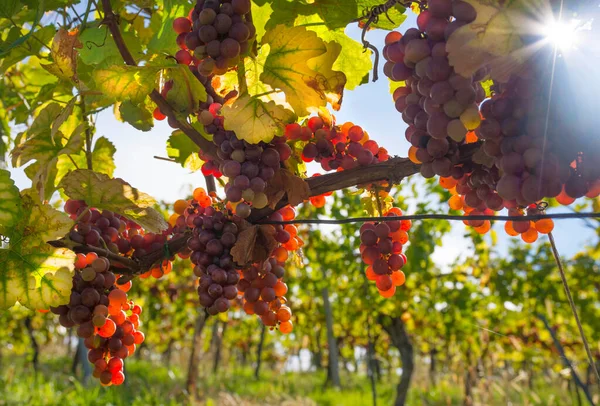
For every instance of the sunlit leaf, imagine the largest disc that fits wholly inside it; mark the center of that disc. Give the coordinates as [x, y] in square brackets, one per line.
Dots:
[288, 67]
[254, 120]
[126, 83]
[31, 271]
[100, 191]
[10, 202]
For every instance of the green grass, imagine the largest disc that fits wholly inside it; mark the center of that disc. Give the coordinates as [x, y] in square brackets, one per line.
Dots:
[151, 384]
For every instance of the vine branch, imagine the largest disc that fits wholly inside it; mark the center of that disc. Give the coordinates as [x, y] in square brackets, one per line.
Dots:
[111, 20]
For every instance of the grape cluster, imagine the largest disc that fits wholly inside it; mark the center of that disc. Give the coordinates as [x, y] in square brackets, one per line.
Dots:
[248, 166]
[525, 156]
[114, 232]
[381, 249]
[213, 235]
[262, 284]
[336, 147]
[214, 36]
[107, 321]
[439, 105]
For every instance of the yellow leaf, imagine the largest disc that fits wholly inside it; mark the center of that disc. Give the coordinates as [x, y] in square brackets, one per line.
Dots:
[289, 67]
[64, 52]
[254, 120]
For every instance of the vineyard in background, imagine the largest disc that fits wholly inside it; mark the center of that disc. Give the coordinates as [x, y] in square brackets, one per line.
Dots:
[301, 269]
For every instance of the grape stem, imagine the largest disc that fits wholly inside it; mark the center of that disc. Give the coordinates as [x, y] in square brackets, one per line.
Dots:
[111, 20]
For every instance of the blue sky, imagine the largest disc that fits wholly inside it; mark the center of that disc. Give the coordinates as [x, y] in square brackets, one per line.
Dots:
[369, 106]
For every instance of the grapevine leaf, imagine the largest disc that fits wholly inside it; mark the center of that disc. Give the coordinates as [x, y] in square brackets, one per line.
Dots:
[493, 36]
[31, 271]
[102, 160]
[126, 83]
[44, 119]
[187, 92]
[254, 120]
[165, 39]
[184, 151]
[10, 202]
[46, 149]
[100, 191]
[254, 244]
[138, 116]
[63, 116]
[288, 67]
[32, 46]
[64, 53]
[261, 14]
[98, 45]
[336, 14]
[330, 82]
[284, 182]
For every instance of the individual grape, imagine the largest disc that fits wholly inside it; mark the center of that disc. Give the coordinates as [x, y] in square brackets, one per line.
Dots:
[182, 25]
[241, 6]
[239, 32]
[230, 48]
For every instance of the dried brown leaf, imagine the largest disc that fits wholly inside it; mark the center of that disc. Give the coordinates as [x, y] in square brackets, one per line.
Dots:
[254, 244]
[284, 182]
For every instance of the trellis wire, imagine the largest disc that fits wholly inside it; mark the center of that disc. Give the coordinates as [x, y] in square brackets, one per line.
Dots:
[563, 277]
[433, 216]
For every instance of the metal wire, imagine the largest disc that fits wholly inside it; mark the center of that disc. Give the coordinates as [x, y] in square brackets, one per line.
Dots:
[432, 216]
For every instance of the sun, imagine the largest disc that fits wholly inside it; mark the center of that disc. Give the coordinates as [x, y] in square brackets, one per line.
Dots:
[562, 35]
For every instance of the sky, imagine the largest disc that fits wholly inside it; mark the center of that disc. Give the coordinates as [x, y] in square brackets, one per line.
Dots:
[370, 106]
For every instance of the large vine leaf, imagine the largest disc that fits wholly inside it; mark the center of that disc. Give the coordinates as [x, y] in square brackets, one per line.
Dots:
[121, 83]
[100, 191]
[288, 67]
[493, 36]
[254, 120]
[10, 202]
[31, 271]
[184, 151]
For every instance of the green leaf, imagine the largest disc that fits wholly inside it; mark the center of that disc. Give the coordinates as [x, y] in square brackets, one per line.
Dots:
[44, 119]
[254, 120]
[31, 271]
[187, 92]
[46, 149]
[388, 21]
[126, 83]
[184, 151]
[138, 116]
[289, 68]
[100, 191]
[98, 45]
[9, 8]
[10, 202]
[102, 160]
[32, 46]
[165, 38]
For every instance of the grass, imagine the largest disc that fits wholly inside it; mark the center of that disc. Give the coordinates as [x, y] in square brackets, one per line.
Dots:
[151, 384]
